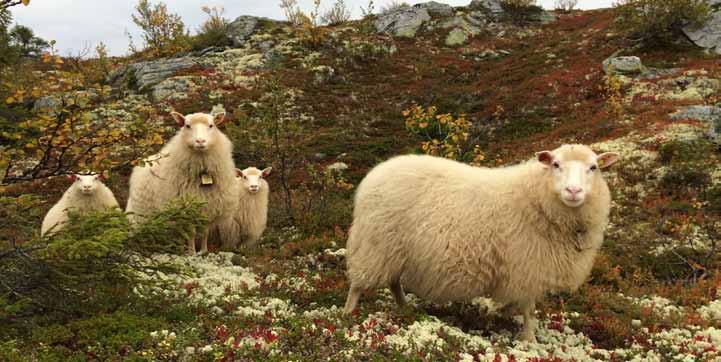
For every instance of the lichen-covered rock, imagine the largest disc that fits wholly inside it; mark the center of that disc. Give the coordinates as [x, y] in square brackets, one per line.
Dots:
[701, 113]
[47, 105]
[708, 114]
[436, 9]
[403, 22]
[144, 75]
[173, 88]
[488, 7]
[240, 30]
[456, 37]
[623, 65]
[709, 35]
[467, 23]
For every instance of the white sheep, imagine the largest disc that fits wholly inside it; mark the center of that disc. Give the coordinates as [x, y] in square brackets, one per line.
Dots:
[251, 216]
[196, 161]
[447, 231]
[87, 193]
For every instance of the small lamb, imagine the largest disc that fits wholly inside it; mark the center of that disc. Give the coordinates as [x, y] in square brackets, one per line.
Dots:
[447, 231]
[87, 193]
[251, 216]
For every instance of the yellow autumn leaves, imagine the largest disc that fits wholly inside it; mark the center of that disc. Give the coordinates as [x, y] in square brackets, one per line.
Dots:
[68, 130]
[442, 134]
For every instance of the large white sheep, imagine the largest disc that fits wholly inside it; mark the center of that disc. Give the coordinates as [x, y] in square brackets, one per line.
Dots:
[87, 193]
[196, 161]
[447, 231]
[250, 218]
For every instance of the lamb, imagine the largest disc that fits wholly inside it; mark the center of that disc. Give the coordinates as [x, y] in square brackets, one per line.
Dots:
[196, 161]
[87, 193]
[447, 231]
[250, 218]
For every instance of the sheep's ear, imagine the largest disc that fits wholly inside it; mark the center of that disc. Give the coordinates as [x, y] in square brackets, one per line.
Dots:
[179, 118]
[219, 118]
[72, 177]
[238, 172]
[266, 172]
[607, 159]
[545, 157]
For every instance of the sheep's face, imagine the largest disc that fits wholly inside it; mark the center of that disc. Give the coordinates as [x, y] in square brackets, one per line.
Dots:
[86, 184]
[252, 178]
[575, 169]
[199, 130]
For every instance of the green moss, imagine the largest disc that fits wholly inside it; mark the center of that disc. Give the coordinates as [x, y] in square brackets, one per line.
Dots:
[681, 177]
[107, 335]
[684, 151]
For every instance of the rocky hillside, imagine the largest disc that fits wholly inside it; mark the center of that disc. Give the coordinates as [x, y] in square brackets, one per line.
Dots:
[337, 95]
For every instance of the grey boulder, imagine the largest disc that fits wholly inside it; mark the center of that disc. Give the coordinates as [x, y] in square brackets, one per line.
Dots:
[627, 65]
[240, 30]
[403, 22]
[707, 114]
[436, 9]
[709, 35]
[144, 75]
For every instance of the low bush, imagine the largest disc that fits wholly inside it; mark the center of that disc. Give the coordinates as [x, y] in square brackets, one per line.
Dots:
[89, 266]
[661, 21]
[214, 31]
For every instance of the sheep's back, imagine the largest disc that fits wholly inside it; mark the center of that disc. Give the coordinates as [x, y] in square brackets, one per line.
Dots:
[424, 217]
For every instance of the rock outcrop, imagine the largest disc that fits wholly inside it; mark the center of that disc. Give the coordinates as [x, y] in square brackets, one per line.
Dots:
[436, 9]
[709, 35]
[711, 115]
[144, 75]
[403, 22]
[240, 30]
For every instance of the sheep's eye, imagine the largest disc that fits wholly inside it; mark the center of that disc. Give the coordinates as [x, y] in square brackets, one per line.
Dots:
[594, 168]
[556, 165]
[187, 126]
[211, 126]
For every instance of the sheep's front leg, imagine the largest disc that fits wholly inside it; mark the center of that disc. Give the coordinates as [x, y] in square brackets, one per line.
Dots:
[398, 294]
[352, 302]
[191, 244]
[251, 241]
[528, 333]
[204, 242]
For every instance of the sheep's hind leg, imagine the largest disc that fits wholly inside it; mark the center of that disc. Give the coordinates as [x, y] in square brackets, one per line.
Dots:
[398, 294]
[352, 302]
[204, 242]
[191, 244]
[528, 333]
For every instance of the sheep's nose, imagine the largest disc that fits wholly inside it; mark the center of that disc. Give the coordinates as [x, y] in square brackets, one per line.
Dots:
[200, 141]
[253, 188]
[573, 189]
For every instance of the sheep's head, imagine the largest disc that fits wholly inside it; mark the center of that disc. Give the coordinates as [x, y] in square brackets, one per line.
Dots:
[575, 169]
[86, 184]
[199, 130]
[252, 178]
